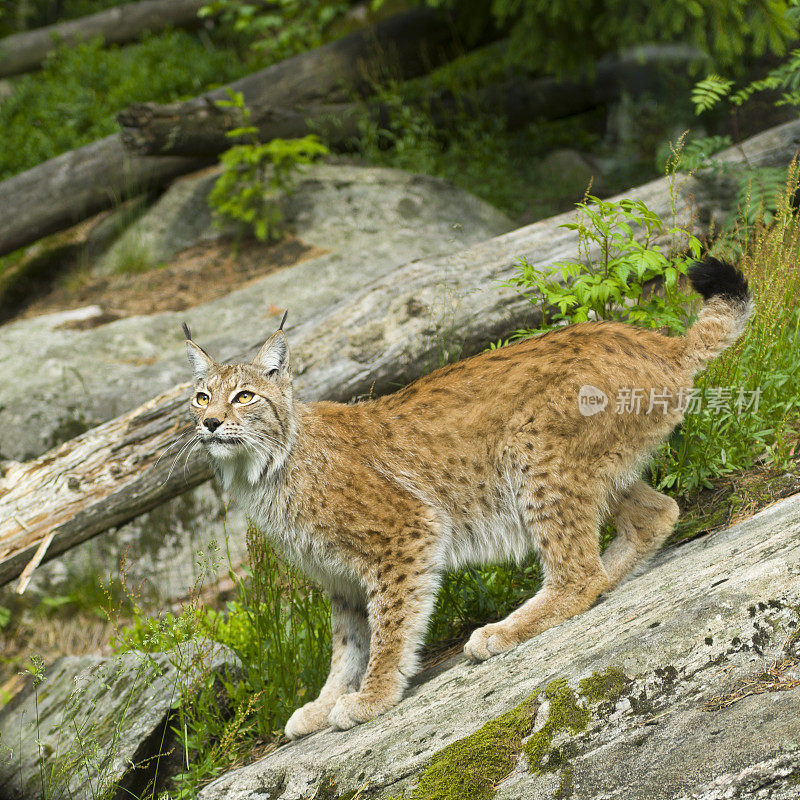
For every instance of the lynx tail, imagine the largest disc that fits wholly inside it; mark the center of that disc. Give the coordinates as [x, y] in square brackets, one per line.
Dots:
[725, 311]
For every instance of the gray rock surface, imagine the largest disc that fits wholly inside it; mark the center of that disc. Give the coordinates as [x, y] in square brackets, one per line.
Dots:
[82, 730]
[57, 382]
[707, 639]
[181, 218]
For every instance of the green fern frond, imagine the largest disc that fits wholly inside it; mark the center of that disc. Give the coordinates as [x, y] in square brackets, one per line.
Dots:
[708, 92]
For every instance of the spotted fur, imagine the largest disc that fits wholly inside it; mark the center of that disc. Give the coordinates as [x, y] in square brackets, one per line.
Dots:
[482, 460]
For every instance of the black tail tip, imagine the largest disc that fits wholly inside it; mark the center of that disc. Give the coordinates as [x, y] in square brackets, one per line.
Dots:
[712, 277]
[187, 332]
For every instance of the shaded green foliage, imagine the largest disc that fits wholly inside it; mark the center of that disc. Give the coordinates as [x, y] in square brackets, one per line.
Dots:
[276, 30]
[21, 15]
[73, 100]
[475, 595]
[784, 80]
[475, 152]
[563, 37]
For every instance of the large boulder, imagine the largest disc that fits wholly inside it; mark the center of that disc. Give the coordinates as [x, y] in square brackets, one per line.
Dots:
[682, 683]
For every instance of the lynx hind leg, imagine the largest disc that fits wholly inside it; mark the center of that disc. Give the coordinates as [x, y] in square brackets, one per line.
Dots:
[643, 518]
[564, 525]
[349, 656]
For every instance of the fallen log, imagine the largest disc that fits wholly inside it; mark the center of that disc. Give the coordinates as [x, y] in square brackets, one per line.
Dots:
[73, 186]
[392, 332]
[23, 52]
[200, 128]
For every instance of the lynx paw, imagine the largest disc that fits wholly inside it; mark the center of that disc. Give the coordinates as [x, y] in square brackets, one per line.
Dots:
[353, 709]
[488, 641]
[307, 719]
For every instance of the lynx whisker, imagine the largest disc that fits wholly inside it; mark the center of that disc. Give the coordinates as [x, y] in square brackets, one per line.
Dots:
[195, 439]
[259, 446]
[174, 443]
[186, 458]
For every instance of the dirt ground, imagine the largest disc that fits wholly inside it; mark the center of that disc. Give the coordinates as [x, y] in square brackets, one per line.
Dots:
[196, 275]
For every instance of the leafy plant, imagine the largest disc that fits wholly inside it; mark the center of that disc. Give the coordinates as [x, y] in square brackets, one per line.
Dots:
[255, 175]
[475, 595]
[694, 153]
[544, 32]
[756, 188]
[615, 273]
[709, 91]
[785, 78]
[280, 29]
[278, 626]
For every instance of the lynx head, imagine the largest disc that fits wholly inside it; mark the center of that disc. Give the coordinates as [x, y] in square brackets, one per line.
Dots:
[244, 411]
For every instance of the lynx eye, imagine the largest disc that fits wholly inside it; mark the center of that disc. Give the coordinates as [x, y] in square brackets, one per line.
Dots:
[243, 398]
[201, 398]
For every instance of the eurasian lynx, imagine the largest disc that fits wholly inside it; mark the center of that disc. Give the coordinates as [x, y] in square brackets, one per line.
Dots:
[481, 460]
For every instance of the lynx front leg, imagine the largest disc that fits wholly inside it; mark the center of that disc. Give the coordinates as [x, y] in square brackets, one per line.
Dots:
[350, 652]
[400, 604]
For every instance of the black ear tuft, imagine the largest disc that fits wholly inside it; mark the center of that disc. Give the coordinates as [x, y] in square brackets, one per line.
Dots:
[712, 276]
[186, 332]
[283, 321]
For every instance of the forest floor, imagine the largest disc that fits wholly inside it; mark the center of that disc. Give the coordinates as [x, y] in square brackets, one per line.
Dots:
[197, 275]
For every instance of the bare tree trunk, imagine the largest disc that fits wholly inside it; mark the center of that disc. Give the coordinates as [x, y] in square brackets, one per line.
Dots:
[23, 52]
[75, 185]
[71, 187]
[392, 332]
[199, 129]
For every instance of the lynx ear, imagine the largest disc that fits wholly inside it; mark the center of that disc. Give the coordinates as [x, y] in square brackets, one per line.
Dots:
[273, 357]
[200, 361]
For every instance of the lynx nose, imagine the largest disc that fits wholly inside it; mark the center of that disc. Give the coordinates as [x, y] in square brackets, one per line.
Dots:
[212, 423]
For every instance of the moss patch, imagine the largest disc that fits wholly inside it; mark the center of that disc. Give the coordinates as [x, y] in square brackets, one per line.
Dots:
[608, 686]
[566, 714]
[471, 767]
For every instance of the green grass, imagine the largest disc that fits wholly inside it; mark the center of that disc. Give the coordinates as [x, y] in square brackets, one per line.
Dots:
[279, 627]
[73, 100]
